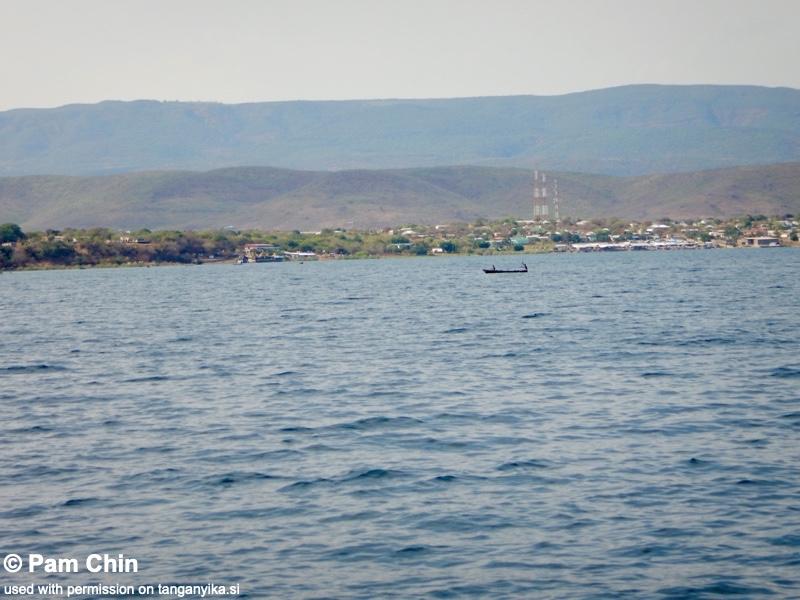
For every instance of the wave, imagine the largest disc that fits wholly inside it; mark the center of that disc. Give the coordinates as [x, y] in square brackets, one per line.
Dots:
[785, 373]
[37, 368]
[524, 464]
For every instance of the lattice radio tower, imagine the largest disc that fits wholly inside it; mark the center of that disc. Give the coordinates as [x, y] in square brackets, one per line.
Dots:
[555, 199]
[540, 207]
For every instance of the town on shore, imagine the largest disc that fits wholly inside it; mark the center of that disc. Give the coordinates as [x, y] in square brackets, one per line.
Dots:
[103, 247]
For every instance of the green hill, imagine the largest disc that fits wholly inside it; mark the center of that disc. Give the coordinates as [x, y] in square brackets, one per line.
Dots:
[270, 198]
[628, 130]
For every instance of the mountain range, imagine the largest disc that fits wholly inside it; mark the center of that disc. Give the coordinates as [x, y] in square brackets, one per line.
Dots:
[639, 152]
[269, 198]
[631, 130]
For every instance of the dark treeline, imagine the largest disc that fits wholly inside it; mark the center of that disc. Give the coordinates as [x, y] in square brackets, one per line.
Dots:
[103, 247]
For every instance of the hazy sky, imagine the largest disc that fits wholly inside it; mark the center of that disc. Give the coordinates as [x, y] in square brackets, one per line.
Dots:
[57, 52]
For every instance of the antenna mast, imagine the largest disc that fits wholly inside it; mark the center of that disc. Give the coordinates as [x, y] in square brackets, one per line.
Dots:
[555, 199]
[540, 208]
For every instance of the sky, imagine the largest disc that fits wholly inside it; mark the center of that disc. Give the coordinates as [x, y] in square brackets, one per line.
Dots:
[57, 52]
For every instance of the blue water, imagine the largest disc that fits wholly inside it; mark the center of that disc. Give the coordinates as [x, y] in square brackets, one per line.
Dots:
[621, 425]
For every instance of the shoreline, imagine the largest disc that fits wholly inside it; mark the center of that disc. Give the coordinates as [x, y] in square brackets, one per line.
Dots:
[499, 255]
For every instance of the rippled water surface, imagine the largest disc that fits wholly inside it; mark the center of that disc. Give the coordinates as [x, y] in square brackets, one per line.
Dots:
[618, 425]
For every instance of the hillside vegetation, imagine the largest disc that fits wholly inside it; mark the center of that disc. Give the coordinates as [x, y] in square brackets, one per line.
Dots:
[630, 130]
[282, 199]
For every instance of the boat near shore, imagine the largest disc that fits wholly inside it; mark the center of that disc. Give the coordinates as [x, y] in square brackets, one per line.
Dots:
[524, 269]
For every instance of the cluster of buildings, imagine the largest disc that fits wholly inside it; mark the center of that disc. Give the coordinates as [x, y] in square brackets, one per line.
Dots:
[605, 235]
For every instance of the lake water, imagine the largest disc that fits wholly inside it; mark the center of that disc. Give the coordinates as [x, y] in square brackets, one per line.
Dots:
[621, 425]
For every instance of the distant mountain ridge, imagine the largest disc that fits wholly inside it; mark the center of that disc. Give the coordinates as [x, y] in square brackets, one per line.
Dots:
[631, 130]
[270, 198]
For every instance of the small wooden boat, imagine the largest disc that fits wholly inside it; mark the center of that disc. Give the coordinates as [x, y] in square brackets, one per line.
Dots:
[524, 269]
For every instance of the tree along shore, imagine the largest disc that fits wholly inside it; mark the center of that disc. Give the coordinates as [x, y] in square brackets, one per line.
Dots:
[106, 248]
